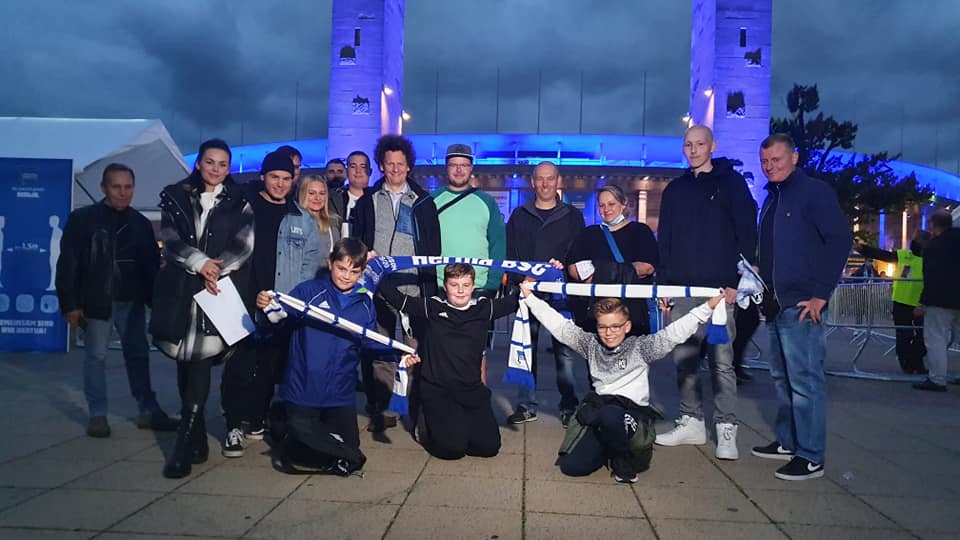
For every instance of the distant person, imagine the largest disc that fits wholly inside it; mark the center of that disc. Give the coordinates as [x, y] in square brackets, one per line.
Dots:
[336, 173]
[544, 228]
[104, 279]
[940, 299]
[313, 197]
[906, 298]
[619, 251]
[207, 229]
[343, 200]
[867, 270]
[806, 238]
[287, 252]
[708, 218]
[396, 216]
[614, 424]
[295, 157]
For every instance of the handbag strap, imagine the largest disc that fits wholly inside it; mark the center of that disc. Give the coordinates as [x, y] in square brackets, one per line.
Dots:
[612, 243]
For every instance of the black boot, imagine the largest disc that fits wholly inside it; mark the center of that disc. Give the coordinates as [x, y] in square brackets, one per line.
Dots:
[178, 465]
[200, 448]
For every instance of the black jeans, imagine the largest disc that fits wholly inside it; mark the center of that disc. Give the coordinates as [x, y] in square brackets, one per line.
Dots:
[459, 423]
[315, 436]
[910, 347]
[249, 378]
[607, 438]
[747, 321]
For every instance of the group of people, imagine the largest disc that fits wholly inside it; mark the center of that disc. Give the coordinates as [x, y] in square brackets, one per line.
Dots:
[925, 283]
[311, 237]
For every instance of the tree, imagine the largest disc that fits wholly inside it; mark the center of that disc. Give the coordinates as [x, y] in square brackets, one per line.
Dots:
[865, 183]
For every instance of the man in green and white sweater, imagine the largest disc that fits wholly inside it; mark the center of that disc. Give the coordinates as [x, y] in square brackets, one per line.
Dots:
[470, 221]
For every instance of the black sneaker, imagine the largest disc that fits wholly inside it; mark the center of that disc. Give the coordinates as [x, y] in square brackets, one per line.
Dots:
[799, 469]
[254, 432]
[565, 419]
[927, 384]
[772, 451]
[521, 415]
[233, 444]
[622, 470]
[380, 422]
[98, 427]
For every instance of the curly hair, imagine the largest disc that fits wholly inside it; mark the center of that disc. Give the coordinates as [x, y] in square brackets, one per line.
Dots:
[394, 143]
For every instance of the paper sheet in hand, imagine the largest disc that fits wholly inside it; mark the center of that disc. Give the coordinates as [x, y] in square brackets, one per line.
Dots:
[226, 311]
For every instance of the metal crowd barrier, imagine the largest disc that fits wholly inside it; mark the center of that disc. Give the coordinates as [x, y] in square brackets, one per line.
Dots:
[864, 306]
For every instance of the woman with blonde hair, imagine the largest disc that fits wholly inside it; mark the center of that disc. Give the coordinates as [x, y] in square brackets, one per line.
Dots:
[314, 197]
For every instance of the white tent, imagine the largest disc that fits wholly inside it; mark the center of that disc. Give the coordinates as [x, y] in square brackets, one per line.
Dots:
[143, 145]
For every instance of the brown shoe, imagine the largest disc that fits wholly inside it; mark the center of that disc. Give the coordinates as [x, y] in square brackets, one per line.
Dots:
[157, 421]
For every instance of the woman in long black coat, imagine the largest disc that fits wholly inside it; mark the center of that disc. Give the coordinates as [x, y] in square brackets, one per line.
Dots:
[207, 233]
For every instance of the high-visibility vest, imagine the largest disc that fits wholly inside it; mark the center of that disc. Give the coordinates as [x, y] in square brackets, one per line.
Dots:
[909, 266]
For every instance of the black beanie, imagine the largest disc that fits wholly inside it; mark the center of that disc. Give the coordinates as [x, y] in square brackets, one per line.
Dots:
[277, 161]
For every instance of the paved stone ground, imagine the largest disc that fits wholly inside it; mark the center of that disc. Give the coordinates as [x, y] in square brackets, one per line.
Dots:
[892, 472]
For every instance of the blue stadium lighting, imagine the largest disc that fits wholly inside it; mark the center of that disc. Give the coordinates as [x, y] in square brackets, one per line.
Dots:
[577, 150]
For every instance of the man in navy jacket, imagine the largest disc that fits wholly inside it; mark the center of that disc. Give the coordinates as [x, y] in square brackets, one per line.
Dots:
[707, 219]
[804, 242]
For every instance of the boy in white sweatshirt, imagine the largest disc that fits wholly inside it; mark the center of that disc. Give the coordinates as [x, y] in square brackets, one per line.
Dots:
[614, 423]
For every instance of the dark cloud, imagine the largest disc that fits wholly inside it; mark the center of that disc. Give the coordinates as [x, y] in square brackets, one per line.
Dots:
[228, 68]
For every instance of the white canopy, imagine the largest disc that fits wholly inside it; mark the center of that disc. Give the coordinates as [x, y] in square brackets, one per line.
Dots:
[143, 145]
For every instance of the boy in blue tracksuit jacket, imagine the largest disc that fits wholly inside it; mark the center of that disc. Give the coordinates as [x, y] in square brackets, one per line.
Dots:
[315, 423]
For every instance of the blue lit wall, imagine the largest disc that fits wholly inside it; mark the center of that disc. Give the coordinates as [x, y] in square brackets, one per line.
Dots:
[588, 150]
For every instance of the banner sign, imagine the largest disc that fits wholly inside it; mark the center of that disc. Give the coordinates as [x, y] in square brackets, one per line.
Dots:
[35, 200]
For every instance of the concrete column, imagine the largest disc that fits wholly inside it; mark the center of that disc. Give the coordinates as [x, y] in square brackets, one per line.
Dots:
[730, 78]
[366, 74]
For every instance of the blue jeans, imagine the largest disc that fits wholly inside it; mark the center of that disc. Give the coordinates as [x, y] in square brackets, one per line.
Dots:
[797, 351]
[724, 378]
[566, 380]
[130, 321]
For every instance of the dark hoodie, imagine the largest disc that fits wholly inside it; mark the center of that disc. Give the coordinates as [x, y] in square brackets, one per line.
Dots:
[706, 222]
[531, 237]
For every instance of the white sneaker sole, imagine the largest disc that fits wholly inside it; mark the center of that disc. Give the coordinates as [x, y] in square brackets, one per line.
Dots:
[778, 457]
[810, 476]
[681, 442]
[728, 455]
[254, 436]
[231, 453]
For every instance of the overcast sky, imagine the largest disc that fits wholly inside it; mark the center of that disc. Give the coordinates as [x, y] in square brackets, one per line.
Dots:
[202, 67]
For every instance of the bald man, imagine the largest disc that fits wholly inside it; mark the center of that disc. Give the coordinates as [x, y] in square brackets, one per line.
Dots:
[707, 219]
[544, 228]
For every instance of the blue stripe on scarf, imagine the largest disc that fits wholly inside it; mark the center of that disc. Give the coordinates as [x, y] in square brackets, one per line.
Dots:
[399, 404]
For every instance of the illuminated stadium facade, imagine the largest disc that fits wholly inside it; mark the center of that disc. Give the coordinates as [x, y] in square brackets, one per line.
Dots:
[729, 91]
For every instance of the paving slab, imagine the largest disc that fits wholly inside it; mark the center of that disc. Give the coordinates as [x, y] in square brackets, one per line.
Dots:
[490, 493]
[822, 509]
[31, 471]
[716, 530]
[726, 504]
[419, 522]
[44, 534]
[308, 519]
[76, 509]
[10, 496]
[610, 499]
[127, 476]
[504, 466]
[919, 515]
[544, 526]
[185, 513]
[830, 532]
[375, 487]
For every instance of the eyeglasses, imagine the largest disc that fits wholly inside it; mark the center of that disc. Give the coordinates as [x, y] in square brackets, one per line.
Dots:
[612, 328]
[459, 165]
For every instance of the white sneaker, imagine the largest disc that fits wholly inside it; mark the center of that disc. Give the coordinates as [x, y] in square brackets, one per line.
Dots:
[727, 441]
[689, 430]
